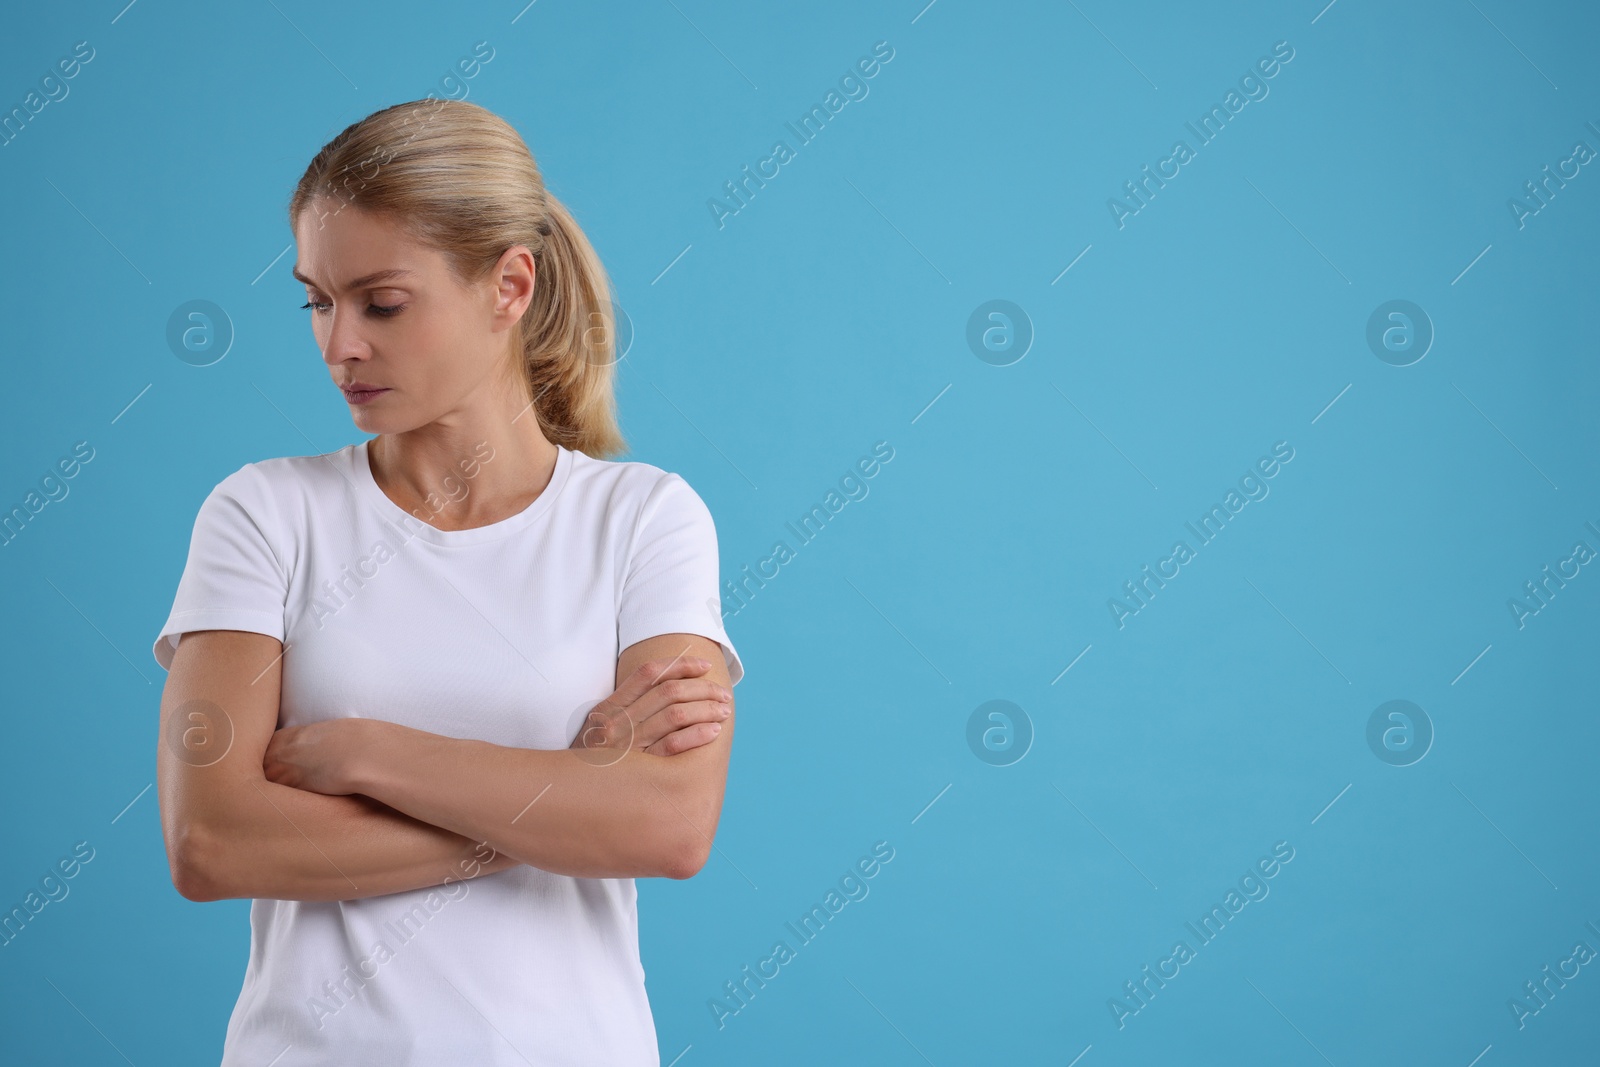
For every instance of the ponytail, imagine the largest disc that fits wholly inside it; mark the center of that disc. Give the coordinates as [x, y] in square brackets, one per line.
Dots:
[569, 339]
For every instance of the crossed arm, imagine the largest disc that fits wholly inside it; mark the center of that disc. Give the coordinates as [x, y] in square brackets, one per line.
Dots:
[405, 809]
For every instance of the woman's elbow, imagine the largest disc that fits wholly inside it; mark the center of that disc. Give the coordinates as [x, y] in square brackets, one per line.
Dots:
[192, 865]
[691, 826]
[687, 860]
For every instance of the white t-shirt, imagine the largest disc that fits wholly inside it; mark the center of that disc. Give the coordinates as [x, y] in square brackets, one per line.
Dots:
[507, 633]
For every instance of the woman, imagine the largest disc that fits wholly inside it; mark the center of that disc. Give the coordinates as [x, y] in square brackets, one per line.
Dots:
[387, 717]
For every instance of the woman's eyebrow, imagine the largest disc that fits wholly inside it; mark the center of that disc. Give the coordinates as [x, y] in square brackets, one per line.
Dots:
[366, 279]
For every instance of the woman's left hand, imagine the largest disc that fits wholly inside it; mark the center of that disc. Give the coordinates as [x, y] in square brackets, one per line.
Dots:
[318, 756]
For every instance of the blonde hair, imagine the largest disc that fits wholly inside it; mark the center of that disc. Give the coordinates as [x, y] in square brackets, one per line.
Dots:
[459, 179]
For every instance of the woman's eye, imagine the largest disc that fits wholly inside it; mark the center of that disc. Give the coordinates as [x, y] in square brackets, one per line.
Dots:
[380, 309]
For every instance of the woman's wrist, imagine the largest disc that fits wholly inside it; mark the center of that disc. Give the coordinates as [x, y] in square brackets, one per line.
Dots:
[361, 761]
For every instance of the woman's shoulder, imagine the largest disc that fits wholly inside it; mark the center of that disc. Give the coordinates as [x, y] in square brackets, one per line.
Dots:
[633, 495]
[282, 483]
[625, 480]
[317, 467]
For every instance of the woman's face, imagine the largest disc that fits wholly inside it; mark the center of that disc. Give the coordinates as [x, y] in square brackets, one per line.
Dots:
[434, 348]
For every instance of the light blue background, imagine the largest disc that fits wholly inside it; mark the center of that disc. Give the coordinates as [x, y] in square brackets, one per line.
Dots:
[829, 314]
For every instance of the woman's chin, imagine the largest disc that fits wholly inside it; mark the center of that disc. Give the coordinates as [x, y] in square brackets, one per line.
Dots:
[369, 421]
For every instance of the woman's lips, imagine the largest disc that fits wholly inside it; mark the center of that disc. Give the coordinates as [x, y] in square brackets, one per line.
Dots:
[362, 396]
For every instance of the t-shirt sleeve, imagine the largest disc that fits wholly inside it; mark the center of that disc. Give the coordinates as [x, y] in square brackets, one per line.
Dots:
[670, 578]
[234, 578]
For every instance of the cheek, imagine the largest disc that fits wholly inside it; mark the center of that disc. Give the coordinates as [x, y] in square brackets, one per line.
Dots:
[452, 356]
[432, 362]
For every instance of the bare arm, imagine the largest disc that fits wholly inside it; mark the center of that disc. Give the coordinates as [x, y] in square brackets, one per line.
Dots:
[586, 814]
[230, 832]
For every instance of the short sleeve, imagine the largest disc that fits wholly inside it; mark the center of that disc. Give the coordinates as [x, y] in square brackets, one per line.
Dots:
[234, 579]
[670, 577]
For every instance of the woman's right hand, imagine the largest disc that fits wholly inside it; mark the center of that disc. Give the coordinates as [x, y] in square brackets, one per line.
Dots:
[661, 708]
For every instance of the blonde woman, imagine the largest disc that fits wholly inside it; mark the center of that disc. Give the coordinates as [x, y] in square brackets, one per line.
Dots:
[436, 699]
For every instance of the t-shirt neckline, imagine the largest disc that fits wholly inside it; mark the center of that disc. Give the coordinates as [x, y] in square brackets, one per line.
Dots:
[419, 527]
